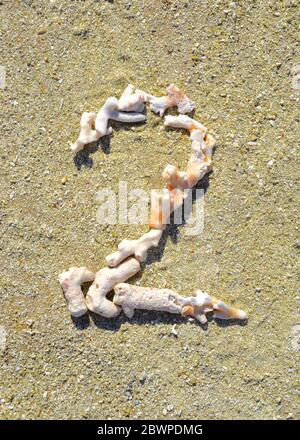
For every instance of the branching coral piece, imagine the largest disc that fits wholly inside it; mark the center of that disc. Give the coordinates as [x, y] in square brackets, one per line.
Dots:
[87, 132]
[135, 297]
[202, 303]
[70, 282]
[105, 280]
[131, 100]
[165, 300]
[200, 161]
[94, 127]
[175, 98]
[138, 248]
[163, 203]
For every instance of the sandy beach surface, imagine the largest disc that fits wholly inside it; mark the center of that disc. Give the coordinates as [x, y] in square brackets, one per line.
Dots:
[240, 62]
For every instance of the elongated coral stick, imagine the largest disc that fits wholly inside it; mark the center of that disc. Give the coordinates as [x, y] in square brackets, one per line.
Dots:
[135, 297]
[131, 298]
[183, 121]
[109, 111]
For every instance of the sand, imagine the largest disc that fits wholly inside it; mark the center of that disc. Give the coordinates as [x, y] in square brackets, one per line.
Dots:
[238, 61]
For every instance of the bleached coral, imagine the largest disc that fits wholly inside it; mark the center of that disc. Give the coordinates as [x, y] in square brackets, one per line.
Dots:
[71, 281]
[135, 297]
[138, 248]
[131, 298]
[105, 280]
[203, 303]
[183, 121]
[131, 100]
[94, 127]
[109, 111]
[87, 133]
[174, 98]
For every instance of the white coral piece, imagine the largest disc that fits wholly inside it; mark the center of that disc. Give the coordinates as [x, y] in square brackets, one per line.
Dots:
[138, 248]
[174, 98]
[105, 280]
[183, 121]
[70, 282]
[131, 298]
[87, 133]
[131, 100]
[135, 297]
[94, 127]
[203, 303]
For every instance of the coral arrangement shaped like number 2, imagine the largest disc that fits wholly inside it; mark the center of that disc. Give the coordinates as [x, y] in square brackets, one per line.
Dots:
[125, 262]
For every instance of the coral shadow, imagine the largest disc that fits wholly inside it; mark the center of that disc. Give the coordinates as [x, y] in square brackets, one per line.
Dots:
[141, 317]
[82, 322]
[146, 317]
[230, 322]
[83, 158]
[109, 324]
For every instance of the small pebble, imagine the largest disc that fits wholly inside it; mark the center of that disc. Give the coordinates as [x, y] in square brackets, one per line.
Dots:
[64, 180]
[271, 116]
[253, 137]
[143, 377]
[42, 31]
[174, 331]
